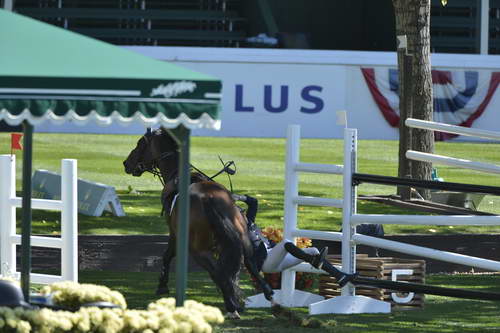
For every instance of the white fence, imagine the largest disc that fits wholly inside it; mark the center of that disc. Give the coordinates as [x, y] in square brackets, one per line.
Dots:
[68, 205]
[348, 302]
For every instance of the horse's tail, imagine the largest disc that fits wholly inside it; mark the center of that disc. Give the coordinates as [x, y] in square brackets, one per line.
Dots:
[221, 217]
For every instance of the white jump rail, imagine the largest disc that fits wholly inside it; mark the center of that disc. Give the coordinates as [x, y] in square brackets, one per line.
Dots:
[434, 220]
[446, 160]
[68, 205]
[452, 129]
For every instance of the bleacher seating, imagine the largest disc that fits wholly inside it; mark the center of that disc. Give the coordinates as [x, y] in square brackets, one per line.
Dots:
[455, 28]
[144, 22]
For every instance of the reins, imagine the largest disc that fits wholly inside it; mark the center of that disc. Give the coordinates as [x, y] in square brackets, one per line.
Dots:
[229, 167]
[226, 167]
[155, 169]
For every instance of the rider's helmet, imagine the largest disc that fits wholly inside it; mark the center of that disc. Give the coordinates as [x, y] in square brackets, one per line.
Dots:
[11, 295]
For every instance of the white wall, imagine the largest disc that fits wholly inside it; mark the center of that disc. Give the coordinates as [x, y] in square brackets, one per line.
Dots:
[315, 84]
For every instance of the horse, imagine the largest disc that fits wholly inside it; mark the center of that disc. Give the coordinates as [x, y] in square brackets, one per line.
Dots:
[218, 236]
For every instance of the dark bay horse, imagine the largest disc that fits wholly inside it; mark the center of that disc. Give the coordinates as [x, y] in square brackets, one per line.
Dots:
[218, 239]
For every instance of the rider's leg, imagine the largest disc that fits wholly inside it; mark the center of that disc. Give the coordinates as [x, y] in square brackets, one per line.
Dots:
[252, 206]
[278, 259]
[319, 261]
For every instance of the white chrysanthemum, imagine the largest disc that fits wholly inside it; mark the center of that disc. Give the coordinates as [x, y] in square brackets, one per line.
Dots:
[12, 322]
[163, 304]
[166, 330]
[183, 327]
[72, 294]
[162, 316]
[23, 327]
[167, 320]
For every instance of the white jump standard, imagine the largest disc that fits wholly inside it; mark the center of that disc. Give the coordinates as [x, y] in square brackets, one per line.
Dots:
[68, 205]
[348, 302]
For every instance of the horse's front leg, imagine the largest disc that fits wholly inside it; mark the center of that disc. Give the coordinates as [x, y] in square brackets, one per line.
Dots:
[252, 269]
[164, 275]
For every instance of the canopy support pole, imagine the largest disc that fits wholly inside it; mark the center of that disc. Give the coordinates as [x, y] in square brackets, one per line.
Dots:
[26, 209]
[181, 136]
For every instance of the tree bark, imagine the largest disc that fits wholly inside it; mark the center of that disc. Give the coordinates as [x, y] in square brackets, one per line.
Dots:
[413, 20]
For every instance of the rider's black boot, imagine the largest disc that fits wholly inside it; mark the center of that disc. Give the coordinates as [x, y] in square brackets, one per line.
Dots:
[315, 260]
[342, 278]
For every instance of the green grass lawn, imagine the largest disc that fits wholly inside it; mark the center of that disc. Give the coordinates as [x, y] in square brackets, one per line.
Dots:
[260, 164]
[260, 172]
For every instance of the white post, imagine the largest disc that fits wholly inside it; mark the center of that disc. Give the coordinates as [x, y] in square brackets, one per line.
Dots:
[8, 5]
[348, 302]
[485, 26]
[69, 220]
[7, 215]
[290, 206]
[348, 246]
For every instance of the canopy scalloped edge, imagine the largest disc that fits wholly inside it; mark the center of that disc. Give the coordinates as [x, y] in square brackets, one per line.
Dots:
[205, 121]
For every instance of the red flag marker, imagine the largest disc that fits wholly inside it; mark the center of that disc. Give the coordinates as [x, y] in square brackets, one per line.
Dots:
[15, 141]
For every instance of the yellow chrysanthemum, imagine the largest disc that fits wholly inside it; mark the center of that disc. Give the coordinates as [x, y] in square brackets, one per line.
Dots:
[276, 235]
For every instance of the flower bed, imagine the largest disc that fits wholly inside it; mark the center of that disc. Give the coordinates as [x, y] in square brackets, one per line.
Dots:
[161, 316]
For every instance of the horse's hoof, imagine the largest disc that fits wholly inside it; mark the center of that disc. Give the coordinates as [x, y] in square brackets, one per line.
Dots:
[162, 291]
[233, 315]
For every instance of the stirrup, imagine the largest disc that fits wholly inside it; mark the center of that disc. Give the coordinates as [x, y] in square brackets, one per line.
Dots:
[317, 261]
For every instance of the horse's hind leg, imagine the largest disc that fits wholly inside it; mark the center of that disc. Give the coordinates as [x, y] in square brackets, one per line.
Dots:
[164, 275]
[224, 282]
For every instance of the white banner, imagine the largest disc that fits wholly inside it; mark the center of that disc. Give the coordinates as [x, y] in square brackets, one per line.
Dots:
[265, 90]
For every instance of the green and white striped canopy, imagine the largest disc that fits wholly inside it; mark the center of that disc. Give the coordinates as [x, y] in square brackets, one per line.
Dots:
[51, 74]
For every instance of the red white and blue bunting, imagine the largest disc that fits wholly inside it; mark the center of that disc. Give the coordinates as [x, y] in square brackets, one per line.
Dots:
[460, 97]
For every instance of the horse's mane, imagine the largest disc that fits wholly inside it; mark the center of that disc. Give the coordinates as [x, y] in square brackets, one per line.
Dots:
[165, 134]
[197, 177]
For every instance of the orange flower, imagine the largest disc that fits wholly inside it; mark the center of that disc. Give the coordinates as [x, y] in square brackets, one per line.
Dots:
[276, 235]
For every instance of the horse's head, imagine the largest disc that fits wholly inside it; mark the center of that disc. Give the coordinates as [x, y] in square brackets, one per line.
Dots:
[151, 149]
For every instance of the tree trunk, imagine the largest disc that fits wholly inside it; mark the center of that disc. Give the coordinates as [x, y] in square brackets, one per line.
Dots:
[413, 20]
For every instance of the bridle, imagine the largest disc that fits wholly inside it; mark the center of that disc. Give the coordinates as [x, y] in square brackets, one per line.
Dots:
[155, 169]
[155, 165]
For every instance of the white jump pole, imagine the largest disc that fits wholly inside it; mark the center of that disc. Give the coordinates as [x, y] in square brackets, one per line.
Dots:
[350, 207]
[69, 220]
[453, 129]
[290, 206]
[426, 220]
[7, 215]
[427, 252]
[458, 162]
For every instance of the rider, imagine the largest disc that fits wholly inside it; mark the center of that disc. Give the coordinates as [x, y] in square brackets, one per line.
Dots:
[270, 257]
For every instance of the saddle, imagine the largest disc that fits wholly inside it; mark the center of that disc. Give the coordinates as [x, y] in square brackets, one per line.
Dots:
[170, 191]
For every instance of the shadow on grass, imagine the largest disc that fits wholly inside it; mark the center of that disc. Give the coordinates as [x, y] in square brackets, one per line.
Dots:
[142, 217]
